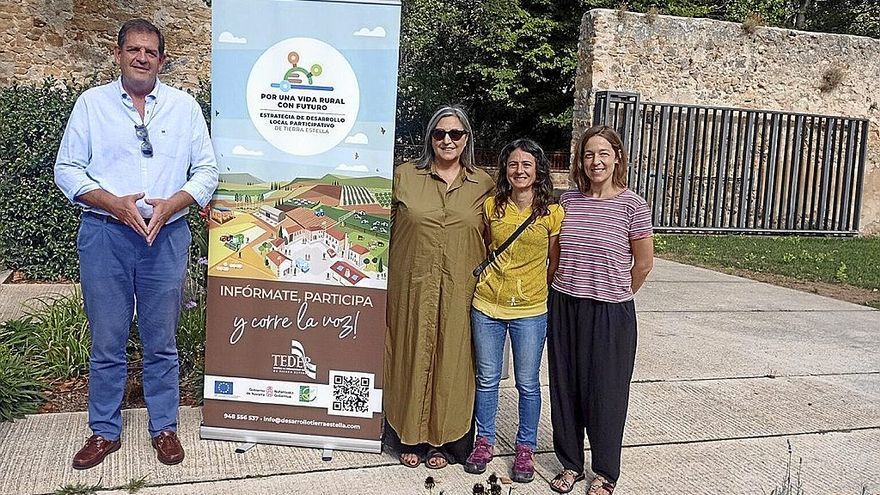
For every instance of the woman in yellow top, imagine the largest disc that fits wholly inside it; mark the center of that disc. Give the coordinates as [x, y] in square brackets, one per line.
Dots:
[511, 296]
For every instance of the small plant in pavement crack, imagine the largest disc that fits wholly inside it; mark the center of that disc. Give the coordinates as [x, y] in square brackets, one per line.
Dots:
[79, 489]
[134, 485]
[790, 486]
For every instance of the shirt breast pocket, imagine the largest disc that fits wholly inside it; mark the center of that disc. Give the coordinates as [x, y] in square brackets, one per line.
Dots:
[167, 145]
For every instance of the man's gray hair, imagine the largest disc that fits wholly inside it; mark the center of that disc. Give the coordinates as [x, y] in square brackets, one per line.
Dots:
[140, 26]
[467, 156]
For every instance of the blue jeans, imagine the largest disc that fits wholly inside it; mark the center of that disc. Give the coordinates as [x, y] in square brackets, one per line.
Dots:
[119, 273]
[527, 340]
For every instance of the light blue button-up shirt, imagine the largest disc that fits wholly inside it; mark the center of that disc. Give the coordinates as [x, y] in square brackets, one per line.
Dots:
[100, 148]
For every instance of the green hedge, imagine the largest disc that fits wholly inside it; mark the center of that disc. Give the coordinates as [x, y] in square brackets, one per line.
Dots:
[37, 224]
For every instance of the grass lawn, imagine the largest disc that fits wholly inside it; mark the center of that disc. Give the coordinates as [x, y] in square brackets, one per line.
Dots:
[842, 267]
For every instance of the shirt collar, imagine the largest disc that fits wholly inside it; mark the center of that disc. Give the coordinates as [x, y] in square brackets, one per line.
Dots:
[468, 173]
[151, 96]
[511, 205]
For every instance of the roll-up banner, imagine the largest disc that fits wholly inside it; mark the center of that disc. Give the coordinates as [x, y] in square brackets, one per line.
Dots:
[304, 96]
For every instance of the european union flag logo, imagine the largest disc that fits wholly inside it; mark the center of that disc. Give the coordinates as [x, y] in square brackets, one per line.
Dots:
[223, 388]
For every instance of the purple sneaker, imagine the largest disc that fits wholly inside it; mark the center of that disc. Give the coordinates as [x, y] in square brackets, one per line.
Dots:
[480, 456]
[523, 464]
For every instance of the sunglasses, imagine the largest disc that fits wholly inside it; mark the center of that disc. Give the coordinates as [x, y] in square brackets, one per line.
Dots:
[454, 134]
[146, 148]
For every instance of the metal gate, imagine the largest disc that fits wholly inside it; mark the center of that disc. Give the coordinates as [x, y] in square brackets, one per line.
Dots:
[719, 169]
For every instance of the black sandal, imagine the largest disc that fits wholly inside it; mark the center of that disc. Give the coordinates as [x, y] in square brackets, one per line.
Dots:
[567, 486]
[433, 455]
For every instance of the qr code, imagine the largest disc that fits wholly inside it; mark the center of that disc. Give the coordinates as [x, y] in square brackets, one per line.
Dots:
[351, 394]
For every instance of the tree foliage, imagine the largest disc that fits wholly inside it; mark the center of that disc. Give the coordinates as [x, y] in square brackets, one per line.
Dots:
[857, 17]
[511, 63]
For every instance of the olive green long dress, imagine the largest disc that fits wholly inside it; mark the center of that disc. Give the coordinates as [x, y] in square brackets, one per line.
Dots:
[436, 241]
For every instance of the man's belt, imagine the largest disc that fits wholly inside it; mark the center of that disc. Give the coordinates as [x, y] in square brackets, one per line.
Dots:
[108, 218]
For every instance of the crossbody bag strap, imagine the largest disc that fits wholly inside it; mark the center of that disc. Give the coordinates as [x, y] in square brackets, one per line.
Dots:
[504, 245]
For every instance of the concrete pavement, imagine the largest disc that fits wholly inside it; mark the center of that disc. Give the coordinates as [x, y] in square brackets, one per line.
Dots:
[16, 298]
[729, 372]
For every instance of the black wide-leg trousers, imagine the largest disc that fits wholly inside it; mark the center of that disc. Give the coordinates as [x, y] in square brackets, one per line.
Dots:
[591, 349]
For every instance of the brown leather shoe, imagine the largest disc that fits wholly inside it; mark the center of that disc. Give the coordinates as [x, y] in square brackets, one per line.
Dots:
[168, 448]
[94, 451]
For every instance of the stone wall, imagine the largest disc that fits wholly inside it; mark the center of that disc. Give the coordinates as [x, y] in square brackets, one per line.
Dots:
[73, 39]
[705, 62]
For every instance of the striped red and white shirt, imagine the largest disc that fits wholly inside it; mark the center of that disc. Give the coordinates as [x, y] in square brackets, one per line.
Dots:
[595, 254]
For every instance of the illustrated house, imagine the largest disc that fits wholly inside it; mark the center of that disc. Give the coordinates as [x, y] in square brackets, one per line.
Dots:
[221, 214]
[293, 232]
[316, 232]
[308, 219]
[279, 264]
[278, 244]
[346, 274]
[270, 214]
[335, 241]
[358, 254]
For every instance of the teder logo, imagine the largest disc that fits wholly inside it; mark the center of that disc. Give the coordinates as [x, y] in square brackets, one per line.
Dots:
[223, 388]
[295, 363]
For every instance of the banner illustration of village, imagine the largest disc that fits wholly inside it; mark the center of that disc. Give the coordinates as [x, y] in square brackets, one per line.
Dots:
[305, 183]
[302, 121]
[332, 229]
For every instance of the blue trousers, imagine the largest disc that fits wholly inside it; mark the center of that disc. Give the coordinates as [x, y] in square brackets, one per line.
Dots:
[119, 273]
[527, 341]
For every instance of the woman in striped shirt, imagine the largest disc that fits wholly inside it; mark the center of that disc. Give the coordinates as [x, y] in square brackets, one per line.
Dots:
[606, 252]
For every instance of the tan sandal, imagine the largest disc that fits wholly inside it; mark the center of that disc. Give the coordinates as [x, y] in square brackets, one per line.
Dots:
[409, 459]
[564, 482]
[600, 483]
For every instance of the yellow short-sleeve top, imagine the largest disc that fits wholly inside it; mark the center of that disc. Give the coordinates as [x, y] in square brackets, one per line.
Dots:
[515, 285]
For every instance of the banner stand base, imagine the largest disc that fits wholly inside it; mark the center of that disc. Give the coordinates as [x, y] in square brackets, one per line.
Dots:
[241, 449]
[291, 439]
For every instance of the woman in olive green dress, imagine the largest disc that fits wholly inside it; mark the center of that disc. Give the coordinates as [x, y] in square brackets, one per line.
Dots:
[436, 241]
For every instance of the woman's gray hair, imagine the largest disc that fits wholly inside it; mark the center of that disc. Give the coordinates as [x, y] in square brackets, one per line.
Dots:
[467, 156]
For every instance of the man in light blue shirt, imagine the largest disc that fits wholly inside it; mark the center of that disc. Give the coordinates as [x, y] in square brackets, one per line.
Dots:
[135, 155]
